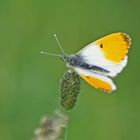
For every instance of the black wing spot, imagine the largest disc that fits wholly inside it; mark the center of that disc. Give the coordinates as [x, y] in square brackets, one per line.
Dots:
[88, 77]
[101, 46]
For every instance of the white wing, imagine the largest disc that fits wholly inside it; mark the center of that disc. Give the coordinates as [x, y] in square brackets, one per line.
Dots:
[94, 56]
[109, 52]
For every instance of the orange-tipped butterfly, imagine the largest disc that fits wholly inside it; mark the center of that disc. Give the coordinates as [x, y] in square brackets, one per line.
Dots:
[99, 61]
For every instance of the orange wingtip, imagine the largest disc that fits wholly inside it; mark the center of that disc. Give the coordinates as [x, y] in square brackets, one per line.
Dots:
[114, 46]
[126, 38]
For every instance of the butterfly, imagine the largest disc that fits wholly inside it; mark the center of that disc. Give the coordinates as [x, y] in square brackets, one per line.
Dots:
[100, 61]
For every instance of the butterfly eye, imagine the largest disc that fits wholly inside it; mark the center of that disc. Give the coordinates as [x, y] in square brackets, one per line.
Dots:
[101, 46]
[71, 62]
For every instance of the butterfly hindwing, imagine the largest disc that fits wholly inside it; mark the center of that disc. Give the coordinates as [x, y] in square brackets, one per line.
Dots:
[98, 81]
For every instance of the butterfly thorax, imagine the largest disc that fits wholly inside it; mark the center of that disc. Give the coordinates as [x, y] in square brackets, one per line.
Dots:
[79, 61]
[73, 60]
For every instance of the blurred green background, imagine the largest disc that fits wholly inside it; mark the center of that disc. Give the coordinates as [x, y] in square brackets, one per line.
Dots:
[29, 81]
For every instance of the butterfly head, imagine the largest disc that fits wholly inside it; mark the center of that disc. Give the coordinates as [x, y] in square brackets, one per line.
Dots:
[72, 60]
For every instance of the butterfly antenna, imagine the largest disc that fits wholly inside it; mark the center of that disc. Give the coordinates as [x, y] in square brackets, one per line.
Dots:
[56, 38]
[51, 54]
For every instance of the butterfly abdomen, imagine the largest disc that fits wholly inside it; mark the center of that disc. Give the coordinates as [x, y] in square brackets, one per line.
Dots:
[78, 61]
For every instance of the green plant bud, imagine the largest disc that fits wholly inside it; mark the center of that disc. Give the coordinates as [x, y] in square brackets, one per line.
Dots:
[69, 89]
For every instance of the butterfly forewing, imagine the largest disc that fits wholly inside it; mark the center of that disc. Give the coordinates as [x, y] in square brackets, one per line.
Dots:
[108, 52]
